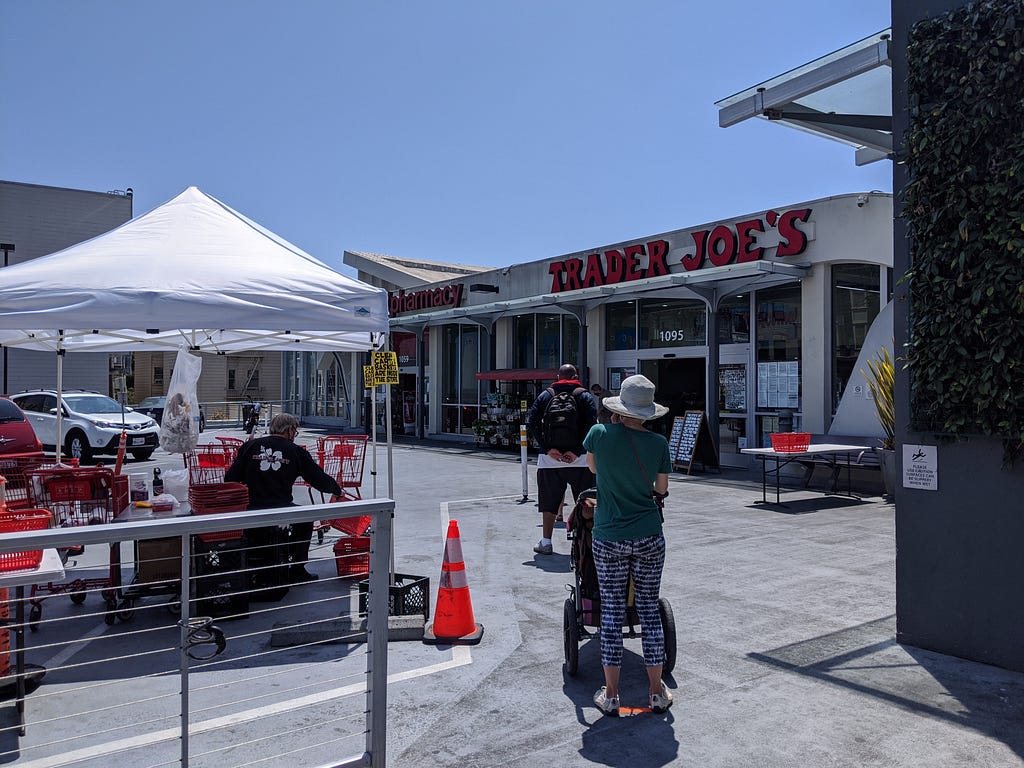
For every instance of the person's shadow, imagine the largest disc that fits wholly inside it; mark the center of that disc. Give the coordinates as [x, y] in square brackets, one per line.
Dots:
[638, 738]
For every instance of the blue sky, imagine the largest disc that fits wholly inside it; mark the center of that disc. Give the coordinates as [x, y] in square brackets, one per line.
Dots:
[478, 132]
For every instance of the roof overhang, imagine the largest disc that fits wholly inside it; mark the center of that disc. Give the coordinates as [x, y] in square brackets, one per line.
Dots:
[709, 284]
[845, 96]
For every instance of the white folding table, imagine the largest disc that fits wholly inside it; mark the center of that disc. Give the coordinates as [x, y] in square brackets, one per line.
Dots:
[832, 453]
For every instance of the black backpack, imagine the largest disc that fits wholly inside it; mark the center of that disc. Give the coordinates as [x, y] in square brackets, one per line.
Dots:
[560, 424]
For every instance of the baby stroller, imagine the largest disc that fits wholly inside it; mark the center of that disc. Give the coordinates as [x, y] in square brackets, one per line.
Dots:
[583, 607]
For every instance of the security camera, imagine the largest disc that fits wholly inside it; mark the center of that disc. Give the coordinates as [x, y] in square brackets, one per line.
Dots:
[862, 200]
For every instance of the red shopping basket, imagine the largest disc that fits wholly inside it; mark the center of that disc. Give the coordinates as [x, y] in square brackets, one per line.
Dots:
[791, 442]
[23, 520]
[352, 556]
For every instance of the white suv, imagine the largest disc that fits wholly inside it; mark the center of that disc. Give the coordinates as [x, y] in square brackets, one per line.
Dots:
[91, 424]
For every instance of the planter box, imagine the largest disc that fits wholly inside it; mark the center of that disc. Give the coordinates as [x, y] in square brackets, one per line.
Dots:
[408, 596]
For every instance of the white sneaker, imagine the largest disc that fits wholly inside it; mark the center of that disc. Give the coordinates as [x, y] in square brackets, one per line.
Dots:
[543, 549]
[661, 701]
[609, 705]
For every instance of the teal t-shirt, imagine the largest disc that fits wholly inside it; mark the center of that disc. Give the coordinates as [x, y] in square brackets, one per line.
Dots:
[625, 509]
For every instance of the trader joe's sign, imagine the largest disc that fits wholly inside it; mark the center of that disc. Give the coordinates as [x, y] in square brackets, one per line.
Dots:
[716, 247]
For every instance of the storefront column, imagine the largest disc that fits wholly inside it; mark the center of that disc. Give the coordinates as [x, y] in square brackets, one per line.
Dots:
[712, 370]
[421, 372]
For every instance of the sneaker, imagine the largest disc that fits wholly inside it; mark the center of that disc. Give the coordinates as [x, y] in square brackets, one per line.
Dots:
[543, 549]
[609, 705]
[661, 701]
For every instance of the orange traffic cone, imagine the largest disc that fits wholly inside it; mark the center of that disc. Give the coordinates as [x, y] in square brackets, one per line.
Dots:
[453, 611]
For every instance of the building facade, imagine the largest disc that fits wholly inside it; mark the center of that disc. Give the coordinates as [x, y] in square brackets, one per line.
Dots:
[37, 220]
[762, 321]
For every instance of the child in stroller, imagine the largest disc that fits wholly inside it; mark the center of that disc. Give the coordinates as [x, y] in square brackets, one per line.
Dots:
[583, 608]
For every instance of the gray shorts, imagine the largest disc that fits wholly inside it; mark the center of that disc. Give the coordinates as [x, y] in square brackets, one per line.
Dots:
[552, 482]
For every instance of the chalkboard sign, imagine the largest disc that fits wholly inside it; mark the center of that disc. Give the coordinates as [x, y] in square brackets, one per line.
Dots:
[691, 441]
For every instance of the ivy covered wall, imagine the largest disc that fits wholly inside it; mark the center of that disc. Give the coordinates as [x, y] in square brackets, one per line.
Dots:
[964, 206]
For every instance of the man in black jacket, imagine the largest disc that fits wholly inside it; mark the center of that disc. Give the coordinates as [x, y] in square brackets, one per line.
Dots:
[562, 459]
[269, 467]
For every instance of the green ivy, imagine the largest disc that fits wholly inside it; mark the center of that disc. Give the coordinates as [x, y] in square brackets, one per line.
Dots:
[965, 212]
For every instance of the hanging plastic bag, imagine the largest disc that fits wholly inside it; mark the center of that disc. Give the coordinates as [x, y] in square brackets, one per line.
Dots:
[179, 429]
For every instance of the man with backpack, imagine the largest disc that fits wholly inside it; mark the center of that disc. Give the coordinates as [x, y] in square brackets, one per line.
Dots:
[559, 419]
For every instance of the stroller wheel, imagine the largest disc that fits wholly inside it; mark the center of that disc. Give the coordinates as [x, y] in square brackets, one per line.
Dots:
[571, 637]
[668, 627]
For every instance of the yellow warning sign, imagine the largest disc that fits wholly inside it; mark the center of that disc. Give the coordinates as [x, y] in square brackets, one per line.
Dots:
[368, 381]
[385, 367]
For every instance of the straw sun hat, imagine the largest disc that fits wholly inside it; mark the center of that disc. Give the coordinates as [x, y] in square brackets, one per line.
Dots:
[636, 399]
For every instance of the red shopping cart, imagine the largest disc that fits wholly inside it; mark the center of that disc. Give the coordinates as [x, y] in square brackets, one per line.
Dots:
[76, 496]
[343, 457]
[207, 463]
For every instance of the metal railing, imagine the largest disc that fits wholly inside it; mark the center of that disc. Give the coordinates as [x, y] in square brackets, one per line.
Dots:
[234, 674]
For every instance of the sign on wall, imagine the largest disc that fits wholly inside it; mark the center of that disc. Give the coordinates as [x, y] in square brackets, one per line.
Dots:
[921, 467]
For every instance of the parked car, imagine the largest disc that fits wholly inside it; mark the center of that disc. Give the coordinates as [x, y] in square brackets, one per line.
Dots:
[16, 434]
[154, 408]
[91, 424]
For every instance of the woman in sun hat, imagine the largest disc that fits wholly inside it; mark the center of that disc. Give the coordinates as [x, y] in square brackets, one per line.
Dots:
[632, 464]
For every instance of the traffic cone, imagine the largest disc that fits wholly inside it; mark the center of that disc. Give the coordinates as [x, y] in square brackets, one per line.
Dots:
[453, 610]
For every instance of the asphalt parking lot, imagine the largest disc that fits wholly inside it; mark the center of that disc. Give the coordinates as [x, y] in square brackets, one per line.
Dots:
[785, 622]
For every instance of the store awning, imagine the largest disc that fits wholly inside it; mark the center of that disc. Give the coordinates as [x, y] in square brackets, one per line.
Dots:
[519, 374]
[845, 96]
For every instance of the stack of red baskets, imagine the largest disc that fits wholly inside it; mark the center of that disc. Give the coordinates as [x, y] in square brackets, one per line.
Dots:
[15, 522]
[214, 498]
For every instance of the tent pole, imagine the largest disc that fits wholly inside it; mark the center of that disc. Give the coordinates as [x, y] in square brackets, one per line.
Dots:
[60, 393]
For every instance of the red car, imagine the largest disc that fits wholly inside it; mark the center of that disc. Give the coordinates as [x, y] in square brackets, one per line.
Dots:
[16, 433]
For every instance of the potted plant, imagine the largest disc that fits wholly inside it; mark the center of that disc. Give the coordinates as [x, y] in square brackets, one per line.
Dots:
[482, 430]
[881, 377]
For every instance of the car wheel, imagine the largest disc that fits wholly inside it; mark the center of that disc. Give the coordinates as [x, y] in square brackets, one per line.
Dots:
[76, 446]
[142, 455]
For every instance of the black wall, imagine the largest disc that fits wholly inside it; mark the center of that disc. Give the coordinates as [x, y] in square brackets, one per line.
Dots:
[960, 549]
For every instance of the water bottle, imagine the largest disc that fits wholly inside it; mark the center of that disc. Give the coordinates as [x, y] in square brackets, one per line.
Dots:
[158, 482]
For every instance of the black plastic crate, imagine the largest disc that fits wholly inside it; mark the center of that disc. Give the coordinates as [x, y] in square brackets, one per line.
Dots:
[408, 596]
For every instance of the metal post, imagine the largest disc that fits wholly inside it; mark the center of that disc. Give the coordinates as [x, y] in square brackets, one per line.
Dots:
[523, 459]
[6, 248]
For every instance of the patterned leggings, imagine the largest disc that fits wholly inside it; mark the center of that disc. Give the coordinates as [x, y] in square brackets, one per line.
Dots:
[615, 561]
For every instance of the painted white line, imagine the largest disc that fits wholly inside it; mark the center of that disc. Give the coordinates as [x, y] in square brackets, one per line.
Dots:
[61, 657]
[461, 656]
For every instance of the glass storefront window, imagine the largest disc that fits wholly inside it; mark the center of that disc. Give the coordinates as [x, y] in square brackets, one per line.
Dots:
[466, 352]
[778, 323]
[549, 341]
[855, 305]
[620, 327]
[734, 320]
[778, 347]
[406, 347]
[672, 323]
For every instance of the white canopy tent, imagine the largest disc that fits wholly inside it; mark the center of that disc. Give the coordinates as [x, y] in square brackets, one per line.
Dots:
[192, 272]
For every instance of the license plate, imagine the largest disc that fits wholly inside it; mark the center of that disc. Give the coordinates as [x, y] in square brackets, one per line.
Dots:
[138, 441]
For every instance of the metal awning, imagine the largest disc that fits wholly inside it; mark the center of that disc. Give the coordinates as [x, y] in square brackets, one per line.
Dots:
[710, 284]
[519, 374]
[845, 96]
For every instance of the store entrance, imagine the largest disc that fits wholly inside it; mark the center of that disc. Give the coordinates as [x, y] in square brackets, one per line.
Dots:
[680, 384]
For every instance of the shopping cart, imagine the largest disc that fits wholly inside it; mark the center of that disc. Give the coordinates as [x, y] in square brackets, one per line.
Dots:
[13, 469]
[76, 496]
[207, 463]
[342, 457]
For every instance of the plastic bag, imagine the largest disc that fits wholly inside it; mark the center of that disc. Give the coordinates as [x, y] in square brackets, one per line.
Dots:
[176, 483]
[179, 428]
